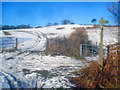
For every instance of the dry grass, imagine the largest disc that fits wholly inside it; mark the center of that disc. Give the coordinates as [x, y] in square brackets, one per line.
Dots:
[68, 46]
[6, 33]
[93, 77]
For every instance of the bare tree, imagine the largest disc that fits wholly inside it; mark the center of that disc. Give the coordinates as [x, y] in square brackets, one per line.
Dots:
[72, 23]
[115, 10]
[49, 24]
[64, 22]
[55, 23]
[94, 21]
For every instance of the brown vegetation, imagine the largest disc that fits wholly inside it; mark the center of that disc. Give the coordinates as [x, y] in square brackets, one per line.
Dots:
[6, 33]
[93, 77]
[68, 46]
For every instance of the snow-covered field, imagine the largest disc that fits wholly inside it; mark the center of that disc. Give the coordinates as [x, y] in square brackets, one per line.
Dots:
[32, 67]
[28, 67]
[110, 35]
[36, 38]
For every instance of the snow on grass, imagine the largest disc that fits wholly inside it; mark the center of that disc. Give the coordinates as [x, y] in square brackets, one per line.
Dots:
[33, 69]
[38, 62]
[28, 66]
[110, 35]
[27, 37]
[29, 40]
[36, 38]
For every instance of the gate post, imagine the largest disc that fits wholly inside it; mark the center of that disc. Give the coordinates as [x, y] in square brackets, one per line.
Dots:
[86, 50]
[16, 44]
[92, 52]
[81, 50]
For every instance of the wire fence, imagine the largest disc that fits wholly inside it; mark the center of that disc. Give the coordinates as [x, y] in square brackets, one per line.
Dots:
[89, 50]
[8, 43]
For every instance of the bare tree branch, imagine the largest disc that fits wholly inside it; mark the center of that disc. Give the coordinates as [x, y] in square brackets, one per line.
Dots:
[115, 10]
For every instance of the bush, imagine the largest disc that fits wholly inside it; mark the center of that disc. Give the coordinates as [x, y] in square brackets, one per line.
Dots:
[68, 46]
[93, 77]
[6, 33]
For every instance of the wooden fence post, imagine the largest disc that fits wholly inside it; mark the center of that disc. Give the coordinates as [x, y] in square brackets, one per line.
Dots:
[16, 44]
[81, 50]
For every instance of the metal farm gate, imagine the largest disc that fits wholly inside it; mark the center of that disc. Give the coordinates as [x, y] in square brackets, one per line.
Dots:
[89, 50]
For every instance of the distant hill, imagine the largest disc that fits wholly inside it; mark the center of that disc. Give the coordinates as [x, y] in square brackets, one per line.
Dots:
[110, 33]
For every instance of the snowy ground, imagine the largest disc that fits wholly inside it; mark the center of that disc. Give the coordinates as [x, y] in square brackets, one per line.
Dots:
[31, 67]
[28, 67]
[110, 35]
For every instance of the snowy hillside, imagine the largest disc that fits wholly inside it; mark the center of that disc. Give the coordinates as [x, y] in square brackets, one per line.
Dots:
[28, 67]
[36, 38]
[110, 35]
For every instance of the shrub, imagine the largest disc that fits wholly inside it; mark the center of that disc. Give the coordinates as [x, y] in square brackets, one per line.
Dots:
[68, 46]
[6, 33]
[93, 77]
